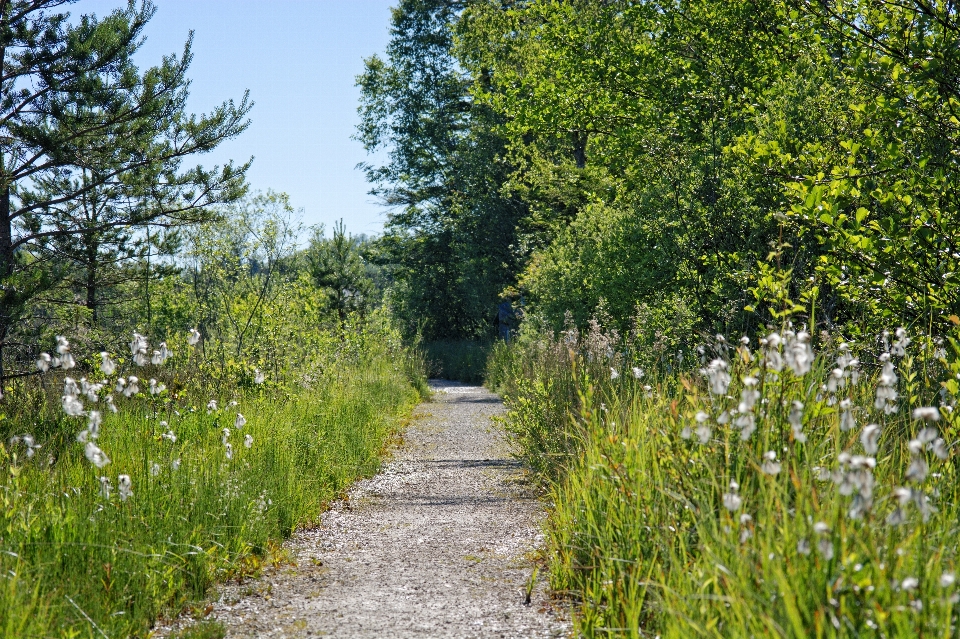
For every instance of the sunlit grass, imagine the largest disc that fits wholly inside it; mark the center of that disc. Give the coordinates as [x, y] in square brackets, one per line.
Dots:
[76, 562]
[666, 523]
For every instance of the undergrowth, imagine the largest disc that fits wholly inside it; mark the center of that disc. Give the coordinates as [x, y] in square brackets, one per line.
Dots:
[763, 491]
[192, 487]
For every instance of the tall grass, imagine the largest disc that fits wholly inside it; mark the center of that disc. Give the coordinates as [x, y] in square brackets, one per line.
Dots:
[76, 562]
[668, 522]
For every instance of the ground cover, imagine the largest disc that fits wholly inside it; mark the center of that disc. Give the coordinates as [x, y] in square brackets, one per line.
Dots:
[791, 487]
[112, 519]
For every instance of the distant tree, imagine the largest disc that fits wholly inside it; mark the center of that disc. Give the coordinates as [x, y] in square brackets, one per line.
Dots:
[81, 126]
[450, 242]
[338, 267]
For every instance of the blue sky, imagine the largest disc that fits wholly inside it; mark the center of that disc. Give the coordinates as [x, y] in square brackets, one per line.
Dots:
[299, 59]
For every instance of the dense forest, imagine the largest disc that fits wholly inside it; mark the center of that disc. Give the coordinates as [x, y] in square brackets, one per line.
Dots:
[691, 165]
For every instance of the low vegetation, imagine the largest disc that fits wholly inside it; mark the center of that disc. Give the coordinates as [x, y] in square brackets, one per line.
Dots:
[762, 489]
[111, 519]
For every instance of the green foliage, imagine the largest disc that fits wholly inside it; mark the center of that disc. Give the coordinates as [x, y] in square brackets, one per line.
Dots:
[207, 504]
[94, 148]
[339, 268]
[460, 360]
[450, 241]
[828, 530]
[619, 136]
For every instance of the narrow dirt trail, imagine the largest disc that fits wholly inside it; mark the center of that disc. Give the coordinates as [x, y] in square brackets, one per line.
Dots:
[439, 544]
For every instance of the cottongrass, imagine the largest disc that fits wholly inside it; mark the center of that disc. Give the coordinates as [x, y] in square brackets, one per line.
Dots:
[112, 519]
[771, 493]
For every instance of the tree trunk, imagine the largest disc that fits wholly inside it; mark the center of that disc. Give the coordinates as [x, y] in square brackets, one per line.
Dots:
[580, 148]
[7, 289]
[91, 283]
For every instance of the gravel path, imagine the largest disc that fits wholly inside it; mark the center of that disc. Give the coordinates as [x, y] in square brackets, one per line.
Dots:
[439, 544]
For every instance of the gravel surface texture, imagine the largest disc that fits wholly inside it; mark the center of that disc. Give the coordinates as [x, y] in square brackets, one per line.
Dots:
[439, 544]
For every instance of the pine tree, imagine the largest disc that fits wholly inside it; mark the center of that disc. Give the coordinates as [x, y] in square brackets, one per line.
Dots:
[79, 120]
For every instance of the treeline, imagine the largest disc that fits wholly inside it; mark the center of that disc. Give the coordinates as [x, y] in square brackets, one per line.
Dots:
[687, 167]
[108, 225]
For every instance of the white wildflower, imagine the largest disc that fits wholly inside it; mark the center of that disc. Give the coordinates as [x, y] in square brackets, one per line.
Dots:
[835, 380]
[109, 401]
[614, 374]
[803, 547]
[240, 421]
[43, 363]
[175, 464]
[194, 337]
[95, 456]
[910, 583]
[772, 356]
[718, 377]
[947, 579]
[67, 362]
[701, 417]
[927, 413]
[226, 436]
[228, 451]
[257, 376]
[107, 365]
[900, 346]
[798, 354]
[248, 440]
[72, 406]
[821, 528]
[731, 500]
[138, 344]
[637, 372]
[918, 470]
[847, 421]
[704, 433]
[91, 391]
[770, 465]
[939, 448]
[93, 424]
[212, 406]
[870, 437]
[170, 436]
[154, 469]
[795, 418]
[748, 399]
[747, 424]
[133, 386]
[28, 441]
[105, 487]
[124, 487]
[896, 517]
[927, 435]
